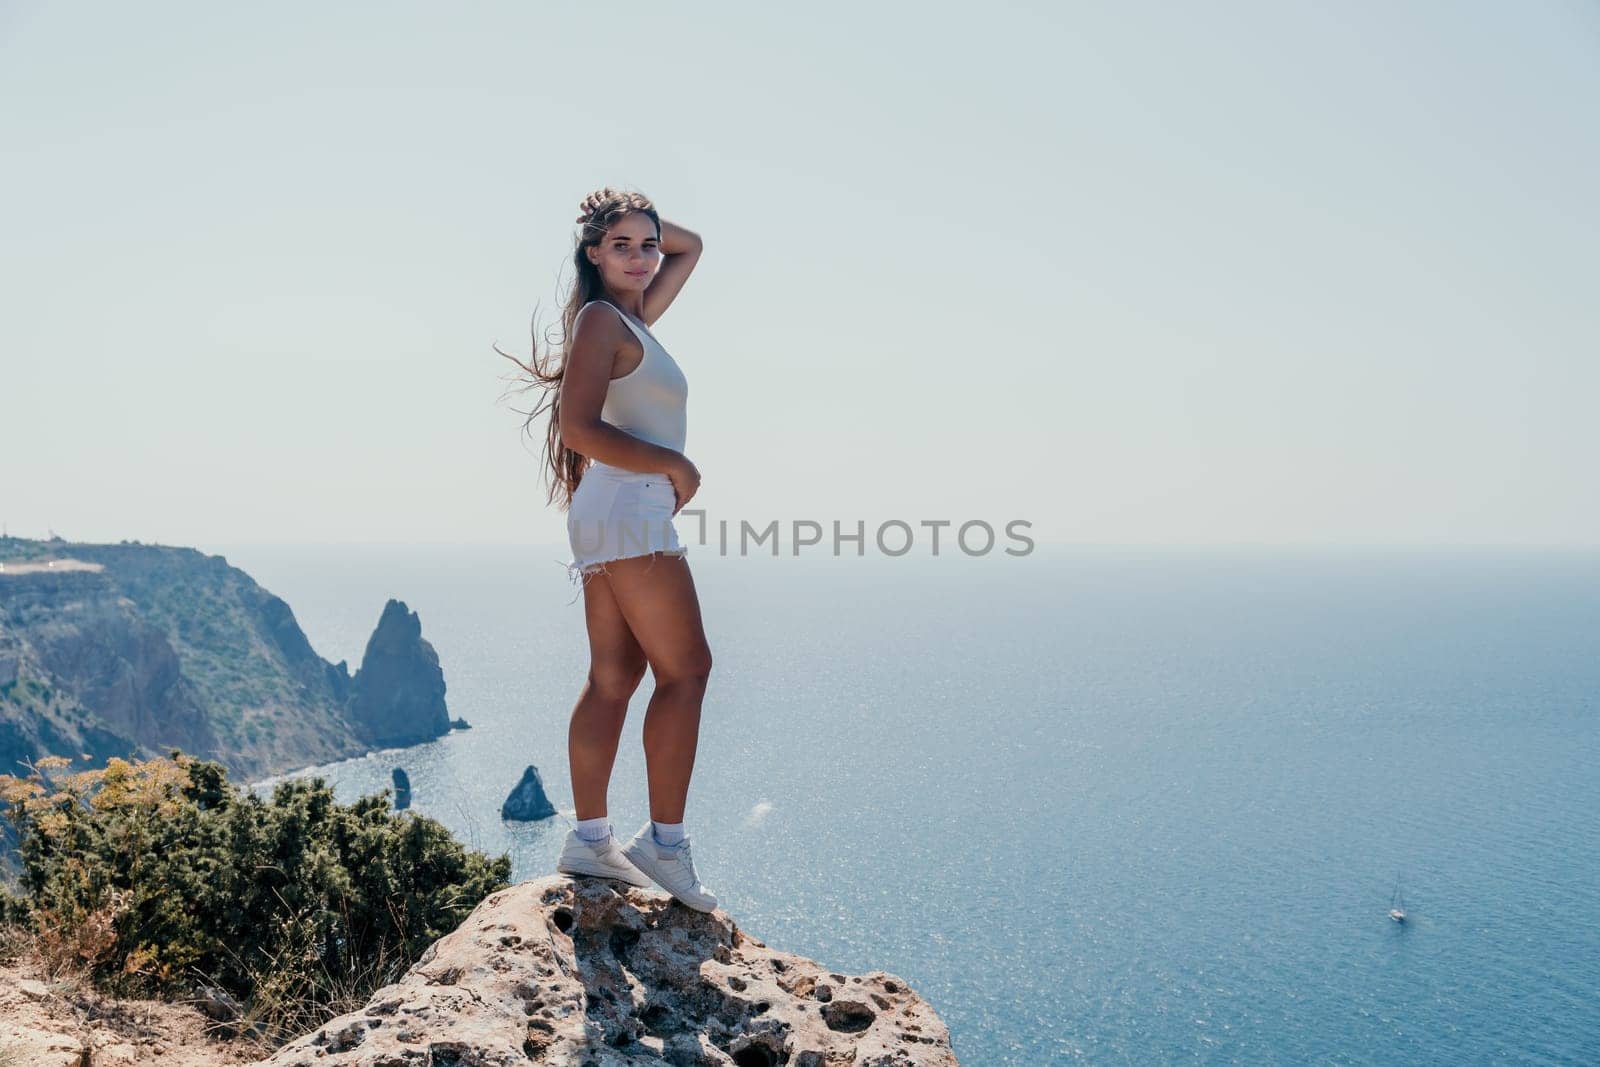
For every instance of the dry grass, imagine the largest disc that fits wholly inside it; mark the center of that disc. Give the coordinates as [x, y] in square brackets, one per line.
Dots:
[171, 1033]
[291, 993]
[65, 965]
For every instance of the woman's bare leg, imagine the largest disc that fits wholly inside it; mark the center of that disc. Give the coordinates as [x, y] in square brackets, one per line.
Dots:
[616, 666]
[657, 597]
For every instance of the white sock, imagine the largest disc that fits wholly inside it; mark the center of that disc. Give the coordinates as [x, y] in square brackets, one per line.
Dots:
[594, 830]
[666, 834]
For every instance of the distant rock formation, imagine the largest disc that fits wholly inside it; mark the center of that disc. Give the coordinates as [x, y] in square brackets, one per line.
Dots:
[132, 650]
[93, 671]
[402, 789]
[528, 800]
[585, 971]
[399, 690]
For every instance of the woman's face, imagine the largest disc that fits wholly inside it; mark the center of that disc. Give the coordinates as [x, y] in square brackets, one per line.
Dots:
[629, 254]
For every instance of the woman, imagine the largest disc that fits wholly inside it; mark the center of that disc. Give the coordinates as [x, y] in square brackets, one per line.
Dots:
[615, 443]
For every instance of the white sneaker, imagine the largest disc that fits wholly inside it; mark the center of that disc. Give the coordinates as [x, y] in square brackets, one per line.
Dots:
[602, 860]
[672, 868]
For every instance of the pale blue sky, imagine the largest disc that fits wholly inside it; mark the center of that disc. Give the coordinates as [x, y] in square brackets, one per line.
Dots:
[1137, 273]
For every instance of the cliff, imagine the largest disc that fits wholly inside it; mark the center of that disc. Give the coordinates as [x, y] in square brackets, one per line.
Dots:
[131, 650]
[559, 970]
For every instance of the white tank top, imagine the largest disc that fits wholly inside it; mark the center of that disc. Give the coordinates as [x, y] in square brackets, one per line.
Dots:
[650, 401]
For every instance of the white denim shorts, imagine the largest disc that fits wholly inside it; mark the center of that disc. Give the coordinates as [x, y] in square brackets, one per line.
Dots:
[618, 514]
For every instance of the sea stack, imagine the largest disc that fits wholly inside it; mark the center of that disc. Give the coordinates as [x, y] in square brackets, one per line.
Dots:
[528, 801]
[402, 789]
[398, 694]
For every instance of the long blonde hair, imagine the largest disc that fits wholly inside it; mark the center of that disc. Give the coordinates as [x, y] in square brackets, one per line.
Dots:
[546, 373]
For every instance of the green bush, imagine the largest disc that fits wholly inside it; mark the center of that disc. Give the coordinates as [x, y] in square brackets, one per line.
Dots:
[13, 909]
[158, 875]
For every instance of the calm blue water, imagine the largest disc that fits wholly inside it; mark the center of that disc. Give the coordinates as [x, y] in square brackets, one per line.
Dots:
[1096, 805]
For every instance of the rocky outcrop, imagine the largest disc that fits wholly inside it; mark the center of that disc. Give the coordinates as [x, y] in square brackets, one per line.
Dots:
[398, 694]
[586, 971]
[123, 667]
[131, 650]
[528, 800]
[98, 677]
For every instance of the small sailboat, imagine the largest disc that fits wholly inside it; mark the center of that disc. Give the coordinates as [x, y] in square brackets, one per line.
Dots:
[1397, 906]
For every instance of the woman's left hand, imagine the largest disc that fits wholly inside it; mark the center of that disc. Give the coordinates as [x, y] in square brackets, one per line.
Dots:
[592, 201]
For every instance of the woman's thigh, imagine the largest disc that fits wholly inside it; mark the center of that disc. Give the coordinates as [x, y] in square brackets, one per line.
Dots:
[657, 598]
[616, 660]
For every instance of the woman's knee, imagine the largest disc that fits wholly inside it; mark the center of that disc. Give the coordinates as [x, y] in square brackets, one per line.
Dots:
[616, 680]
[691, 668]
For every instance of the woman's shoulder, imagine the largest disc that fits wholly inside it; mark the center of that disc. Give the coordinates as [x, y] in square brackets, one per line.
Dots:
[629, 324]
[586, 312]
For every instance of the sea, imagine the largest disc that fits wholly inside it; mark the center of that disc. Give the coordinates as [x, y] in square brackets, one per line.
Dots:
[1096, 804]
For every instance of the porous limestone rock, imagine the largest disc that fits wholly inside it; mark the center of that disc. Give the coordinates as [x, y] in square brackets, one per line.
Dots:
[586, 971]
